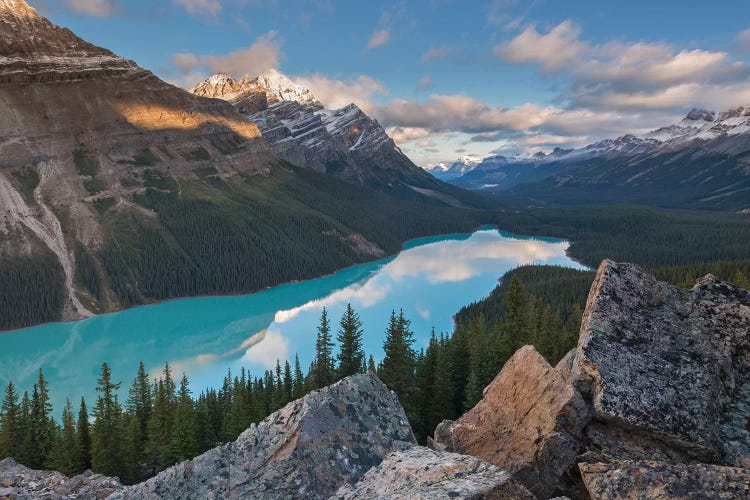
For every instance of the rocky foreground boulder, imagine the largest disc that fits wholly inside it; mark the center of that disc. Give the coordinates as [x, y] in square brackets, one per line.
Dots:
[350, 440]
[308, 449]
[659, 374]
[421, 473]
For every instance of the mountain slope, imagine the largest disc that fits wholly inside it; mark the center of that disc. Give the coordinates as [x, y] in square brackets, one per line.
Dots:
[701, 162]
[117, 188]
[345, 143]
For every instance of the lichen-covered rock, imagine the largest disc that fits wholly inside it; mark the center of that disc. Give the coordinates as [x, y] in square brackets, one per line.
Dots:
[421, 473]
[308, 449]
[17, 481]
[668, 363]
[528, 423]
[662, 481]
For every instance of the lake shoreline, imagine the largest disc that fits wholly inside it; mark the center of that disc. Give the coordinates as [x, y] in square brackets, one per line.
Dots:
[405, 245]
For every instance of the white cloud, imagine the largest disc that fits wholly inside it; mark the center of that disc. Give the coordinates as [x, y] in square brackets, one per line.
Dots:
[743, 40]
[553, 50]
[437, 53]
[98, 8]
[407, 134]
[378, 38]
[338, 93]
[262, 55]
[273, 346]
[200, 7]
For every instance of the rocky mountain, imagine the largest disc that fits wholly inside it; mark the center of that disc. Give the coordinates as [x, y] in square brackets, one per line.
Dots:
[653, 403]
[700, 162]
[454, 170]
[117, 188]
[343, 142]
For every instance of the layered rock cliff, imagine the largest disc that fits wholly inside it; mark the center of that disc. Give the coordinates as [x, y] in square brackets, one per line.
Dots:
[81, 127]
[342, 142]
[657, 388]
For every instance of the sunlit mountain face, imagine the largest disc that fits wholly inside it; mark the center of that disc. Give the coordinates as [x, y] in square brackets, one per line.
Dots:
[204, 337]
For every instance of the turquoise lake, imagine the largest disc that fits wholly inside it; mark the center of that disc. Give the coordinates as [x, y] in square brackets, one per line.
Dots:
[431, 279]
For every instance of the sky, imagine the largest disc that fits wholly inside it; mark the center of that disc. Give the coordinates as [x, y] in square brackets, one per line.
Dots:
[450, 78]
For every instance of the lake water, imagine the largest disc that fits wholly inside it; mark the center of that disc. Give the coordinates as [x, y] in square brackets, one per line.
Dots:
[431, 279]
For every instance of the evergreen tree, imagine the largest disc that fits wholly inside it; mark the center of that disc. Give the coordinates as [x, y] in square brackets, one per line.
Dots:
[516, 315]
[63, 454]
[42, 425]
[27, 450]
[182, 440]
[397, 368]
[288, 385]
[10, 424]
[106, 435]
[351, 356]
[371, 364]
[83, 438]
[299, 380]
[139, 404]
[324, 367]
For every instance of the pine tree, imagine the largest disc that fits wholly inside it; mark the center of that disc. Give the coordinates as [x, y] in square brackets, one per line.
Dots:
[26, 453]
[182, 444]
[160, 421]
[10, 425]
[351, 356]
[83, 438]
[288, 385]
[516, 315]
[371, 364]
[324, 372]
[425, 378]
[299, 380]
[42, 425]
[443, 390]
[139, 404]
[63, 454]
[397, 368]
[106, 435]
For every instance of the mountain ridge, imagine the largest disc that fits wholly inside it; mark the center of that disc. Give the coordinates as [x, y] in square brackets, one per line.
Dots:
[701, 161]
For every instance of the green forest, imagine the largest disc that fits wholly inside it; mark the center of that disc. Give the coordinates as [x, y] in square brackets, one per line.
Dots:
[162, 421]
[213, 236]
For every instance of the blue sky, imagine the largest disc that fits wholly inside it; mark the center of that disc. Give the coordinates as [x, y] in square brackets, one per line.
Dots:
[452, 77]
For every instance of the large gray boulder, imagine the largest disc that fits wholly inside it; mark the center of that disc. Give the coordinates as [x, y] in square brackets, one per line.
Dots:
[308, 449]
[421, 473]
[659, 373]
[669, 363]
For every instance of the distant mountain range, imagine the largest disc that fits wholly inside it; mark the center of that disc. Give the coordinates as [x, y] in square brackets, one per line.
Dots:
[701, 162]
[117, 188]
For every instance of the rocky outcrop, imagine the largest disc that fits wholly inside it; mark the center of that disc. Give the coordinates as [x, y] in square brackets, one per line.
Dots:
[659, 374]
[529, 423]
[308, 449]
[421, 473]
[673, 364]
[17, 481]
[662, 481]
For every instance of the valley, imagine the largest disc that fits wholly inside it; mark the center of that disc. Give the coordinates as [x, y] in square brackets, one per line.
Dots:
[218, 279]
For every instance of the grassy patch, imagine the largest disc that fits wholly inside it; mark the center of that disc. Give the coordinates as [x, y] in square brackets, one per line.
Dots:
[93, 185]
[27, 180]
[199, 154]
[85, 162]
[145, 158]
[103, 204]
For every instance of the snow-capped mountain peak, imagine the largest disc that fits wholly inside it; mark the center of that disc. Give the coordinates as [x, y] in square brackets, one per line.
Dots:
[275, 85]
